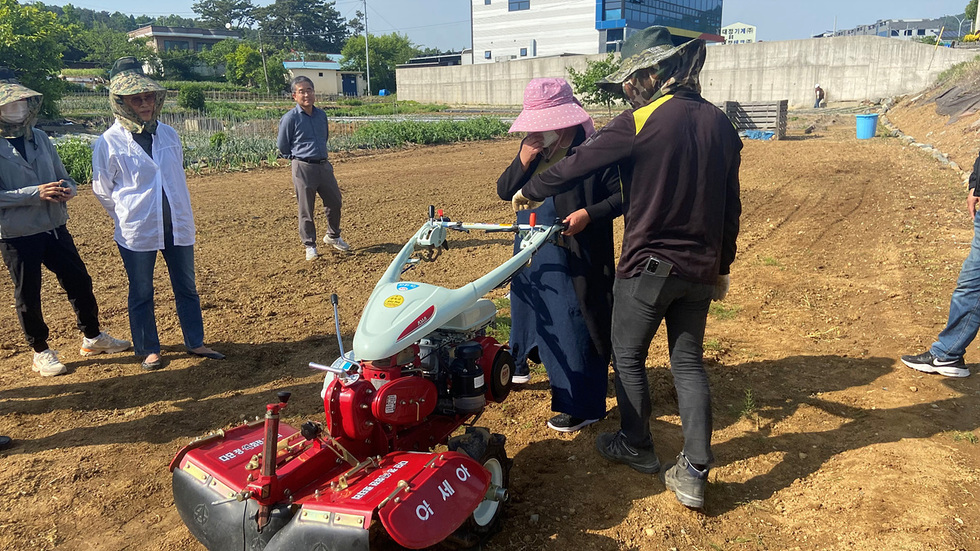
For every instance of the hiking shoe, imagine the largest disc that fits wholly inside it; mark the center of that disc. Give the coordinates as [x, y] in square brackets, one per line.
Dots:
[522, 374]
[613, 447]
[47, 364]
[102, 344]
[564, 422]
[927, 363]
[336, 242]
[311, 253]
[687, 482]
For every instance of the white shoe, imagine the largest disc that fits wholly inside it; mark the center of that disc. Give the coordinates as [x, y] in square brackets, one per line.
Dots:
[47, 364]
[311, 253]
[336, 242]
[102, 344]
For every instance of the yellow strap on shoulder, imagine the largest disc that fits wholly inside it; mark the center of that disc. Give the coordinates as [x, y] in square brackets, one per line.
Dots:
[641, 115]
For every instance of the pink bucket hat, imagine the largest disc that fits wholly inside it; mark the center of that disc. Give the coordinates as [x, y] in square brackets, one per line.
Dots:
[549, 105]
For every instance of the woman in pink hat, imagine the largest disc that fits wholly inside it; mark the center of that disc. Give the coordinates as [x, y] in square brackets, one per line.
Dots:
[561, 304]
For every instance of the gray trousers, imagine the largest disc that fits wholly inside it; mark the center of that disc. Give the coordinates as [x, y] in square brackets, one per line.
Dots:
[310, 180]
[639, 305]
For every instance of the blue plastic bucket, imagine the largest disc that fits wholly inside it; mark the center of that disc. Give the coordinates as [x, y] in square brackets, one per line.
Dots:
[866, 126]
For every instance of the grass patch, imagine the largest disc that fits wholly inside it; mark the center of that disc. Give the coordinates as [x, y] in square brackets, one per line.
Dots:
[723, 311]
[396, 133]
[770, 261]
[958, 70]
[960, 436]
[747, 409]
[713, 345]
[76, 155]
[357, 108]
[500, 328]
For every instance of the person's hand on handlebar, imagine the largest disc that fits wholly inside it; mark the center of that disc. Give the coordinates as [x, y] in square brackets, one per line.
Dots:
[576, 222]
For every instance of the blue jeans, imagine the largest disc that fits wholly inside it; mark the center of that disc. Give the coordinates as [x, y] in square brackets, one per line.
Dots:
[640, 303]
[142, 320]
[964, 307]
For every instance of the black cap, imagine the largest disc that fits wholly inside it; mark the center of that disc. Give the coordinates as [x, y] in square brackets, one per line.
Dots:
[8, 76]
[128, 63]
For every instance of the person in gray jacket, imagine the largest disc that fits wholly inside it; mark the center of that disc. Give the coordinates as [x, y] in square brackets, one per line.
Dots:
[34, 190]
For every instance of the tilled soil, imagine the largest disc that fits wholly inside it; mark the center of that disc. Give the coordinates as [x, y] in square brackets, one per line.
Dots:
[848, 254]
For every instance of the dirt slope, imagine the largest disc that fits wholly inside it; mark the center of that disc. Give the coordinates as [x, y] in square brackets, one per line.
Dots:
[848, 254]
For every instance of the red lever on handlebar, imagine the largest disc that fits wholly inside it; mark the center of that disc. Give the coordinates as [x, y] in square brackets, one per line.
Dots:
[534, 219]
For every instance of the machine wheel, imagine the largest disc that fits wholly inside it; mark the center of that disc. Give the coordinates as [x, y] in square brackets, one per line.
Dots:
[488, 449]
[500, 375]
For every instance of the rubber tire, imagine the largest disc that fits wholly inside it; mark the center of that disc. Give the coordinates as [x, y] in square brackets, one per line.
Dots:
[488, 449]
[499, 389]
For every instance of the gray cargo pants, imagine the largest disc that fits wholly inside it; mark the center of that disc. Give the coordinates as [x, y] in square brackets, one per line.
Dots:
[309, 180]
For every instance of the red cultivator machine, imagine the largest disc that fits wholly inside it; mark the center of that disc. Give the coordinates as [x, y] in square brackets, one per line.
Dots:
[422, 367]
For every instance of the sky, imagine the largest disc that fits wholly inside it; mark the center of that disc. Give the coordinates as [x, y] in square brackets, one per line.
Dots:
[444, 24]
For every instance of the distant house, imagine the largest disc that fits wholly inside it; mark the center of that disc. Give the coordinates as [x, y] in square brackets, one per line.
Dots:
[327, 76]
[165, 39]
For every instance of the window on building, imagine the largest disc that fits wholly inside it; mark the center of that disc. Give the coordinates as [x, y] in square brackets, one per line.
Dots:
[921, 32]
[321, 74]
[518, 5]
[523, 52]
[203, 46]
[486, 2]
[169, 45]
[486, 54]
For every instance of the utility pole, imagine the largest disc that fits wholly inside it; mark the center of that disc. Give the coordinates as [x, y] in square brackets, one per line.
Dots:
[367, 59]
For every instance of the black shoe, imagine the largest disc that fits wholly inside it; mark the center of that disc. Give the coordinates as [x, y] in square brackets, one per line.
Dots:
[613, 447]
[687, 482]
[927, 363]
[564, 422]
[152, 366]
[212, 355]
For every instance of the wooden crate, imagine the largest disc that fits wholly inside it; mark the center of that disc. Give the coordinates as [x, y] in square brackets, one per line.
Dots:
[758, 115]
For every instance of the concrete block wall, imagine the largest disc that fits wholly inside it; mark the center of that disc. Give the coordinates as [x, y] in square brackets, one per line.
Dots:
[848, 68]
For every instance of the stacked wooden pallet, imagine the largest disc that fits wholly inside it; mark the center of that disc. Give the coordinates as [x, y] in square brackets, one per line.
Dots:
[758, 115]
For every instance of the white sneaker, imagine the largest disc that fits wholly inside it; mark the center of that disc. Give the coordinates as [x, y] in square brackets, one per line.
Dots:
[311, 253]
[47, 364]
[336, 242]
[102, 344]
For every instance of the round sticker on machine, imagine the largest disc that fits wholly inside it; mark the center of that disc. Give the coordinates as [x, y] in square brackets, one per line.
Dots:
[394, 301]
[406, 286]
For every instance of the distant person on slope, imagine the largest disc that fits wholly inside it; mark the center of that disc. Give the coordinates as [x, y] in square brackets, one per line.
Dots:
[34, 191]
[138, 176]
[818, 96]
[303, 134]
[945, 356]
[561, 304]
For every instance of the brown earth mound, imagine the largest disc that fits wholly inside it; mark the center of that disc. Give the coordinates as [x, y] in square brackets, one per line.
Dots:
[848, 254]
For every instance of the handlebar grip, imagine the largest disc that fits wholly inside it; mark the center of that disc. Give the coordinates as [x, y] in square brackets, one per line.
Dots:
[432, 212]
[334, 299]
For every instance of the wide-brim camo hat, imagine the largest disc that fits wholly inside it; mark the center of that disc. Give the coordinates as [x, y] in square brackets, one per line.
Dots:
[126, 78]
[644, 49]
[549, 105]
[10, 91]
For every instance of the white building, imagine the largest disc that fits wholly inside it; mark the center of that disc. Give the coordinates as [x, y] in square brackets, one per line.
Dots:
[508, 29]
[327, 76]
[738, 33]
[505, 30]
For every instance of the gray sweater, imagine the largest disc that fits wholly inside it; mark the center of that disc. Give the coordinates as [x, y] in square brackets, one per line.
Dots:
[22, 212]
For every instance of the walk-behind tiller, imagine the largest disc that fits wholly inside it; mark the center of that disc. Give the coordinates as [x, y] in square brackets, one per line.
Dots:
[421, 367]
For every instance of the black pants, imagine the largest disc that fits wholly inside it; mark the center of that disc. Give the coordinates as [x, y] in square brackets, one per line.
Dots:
[639, 305]
[55, 250]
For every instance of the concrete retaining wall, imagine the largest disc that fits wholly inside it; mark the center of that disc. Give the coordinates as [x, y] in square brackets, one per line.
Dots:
[851, 68]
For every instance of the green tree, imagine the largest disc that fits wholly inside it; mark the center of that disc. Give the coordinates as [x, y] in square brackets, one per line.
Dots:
[104, 46]
[385, 51]
[584, 82]
[216, 13]
[178, 64]
[309, 25]
[971, 11]
[243, 66]
[31, 44]
[191, 97]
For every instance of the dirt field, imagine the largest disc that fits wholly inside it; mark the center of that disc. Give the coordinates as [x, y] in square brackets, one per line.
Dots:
[848, 254]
